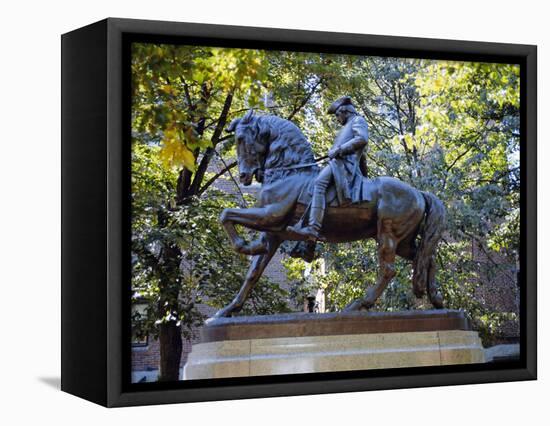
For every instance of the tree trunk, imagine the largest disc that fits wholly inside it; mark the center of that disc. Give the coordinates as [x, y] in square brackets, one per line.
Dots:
[170, 342]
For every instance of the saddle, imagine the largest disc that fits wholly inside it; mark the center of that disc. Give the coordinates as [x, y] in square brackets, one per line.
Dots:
[367, 194]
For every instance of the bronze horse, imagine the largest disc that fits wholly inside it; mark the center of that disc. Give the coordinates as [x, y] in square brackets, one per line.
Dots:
[278, 155]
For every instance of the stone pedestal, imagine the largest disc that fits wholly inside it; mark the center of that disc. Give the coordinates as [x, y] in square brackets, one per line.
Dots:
[312, 343]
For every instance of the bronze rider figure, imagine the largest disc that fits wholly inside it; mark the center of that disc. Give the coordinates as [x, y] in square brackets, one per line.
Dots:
[343, 168]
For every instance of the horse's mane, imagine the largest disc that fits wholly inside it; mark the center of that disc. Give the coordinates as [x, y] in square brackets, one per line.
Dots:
[288, 147]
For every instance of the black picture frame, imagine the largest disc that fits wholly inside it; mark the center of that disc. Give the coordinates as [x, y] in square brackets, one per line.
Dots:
[96, 213]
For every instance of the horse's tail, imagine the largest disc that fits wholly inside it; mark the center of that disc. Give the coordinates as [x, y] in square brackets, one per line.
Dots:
[424, 261]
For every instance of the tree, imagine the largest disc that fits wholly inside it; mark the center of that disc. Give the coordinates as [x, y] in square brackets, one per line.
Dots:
[471, 111]
[182, 98]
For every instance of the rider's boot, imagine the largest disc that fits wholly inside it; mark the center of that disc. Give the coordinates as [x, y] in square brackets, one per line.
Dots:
[316, 214]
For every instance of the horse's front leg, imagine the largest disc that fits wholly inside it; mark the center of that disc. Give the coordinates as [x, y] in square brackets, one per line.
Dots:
[227, 219]
[254, 273]
[267, 218]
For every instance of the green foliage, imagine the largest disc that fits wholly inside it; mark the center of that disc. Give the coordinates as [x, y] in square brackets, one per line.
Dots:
[179, 93]
[345, 272]
[180, 255]
[156, 258]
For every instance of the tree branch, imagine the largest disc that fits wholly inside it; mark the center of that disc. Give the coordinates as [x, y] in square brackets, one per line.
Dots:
[203, 166]
[182, 187]
[305, 100]
[216, 176]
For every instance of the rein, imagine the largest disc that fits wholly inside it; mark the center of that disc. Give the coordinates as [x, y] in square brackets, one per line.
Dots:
[298, 166]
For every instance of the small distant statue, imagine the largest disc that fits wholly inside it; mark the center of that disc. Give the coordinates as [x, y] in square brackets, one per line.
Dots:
[403, 220]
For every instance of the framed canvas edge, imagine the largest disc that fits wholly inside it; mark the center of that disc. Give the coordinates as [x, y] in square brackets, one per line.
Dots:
[83, 212]
[117, 395]
[529, 213]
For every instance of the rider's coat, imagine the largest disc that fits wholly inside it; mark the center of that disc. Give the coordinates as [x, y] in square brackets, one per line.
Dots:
[346, 171]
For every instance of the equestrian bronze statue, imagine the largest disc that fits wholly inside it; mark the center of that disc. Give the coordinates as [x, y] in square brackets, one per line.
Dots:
[300, 202]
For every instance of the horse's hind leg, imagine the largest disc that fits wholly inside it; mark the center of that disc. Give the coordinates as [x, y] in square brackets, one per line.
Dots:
[407, 250]
[434, 295]
[254, 273]
[387, 246]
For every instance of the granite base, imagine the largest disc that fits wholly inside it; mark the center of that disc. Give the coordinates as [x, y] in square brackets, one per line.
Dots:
[358, 347]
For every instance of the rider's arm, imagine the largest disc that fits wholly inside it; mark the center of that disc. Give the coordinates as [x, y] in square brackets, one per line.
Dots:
[360, 137]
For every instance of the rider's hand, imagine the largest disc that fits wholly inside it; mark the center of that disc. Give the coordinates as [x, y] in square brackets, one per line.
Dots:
[334, 152]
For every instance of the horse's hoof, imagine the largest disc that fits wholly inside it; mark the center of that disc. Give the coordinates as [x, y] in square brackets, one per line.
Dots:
[437, 301]
[356, 305]
[242, 248]
[257, 248]
[223, 313]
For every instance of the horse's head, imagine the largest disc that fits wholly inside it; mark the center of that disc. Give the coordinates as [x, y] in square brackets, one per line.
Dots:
[252, 142]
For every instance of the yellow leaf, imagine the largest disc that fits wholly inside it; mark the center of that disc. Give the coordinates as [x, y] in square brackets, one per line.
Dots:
[166, 88]
[409, 141]
[174, 152]
[188, 158]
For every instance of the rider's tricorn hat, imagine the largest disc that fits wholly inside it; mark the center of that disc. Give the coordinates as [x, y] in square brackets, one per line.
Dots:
[344, 100]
